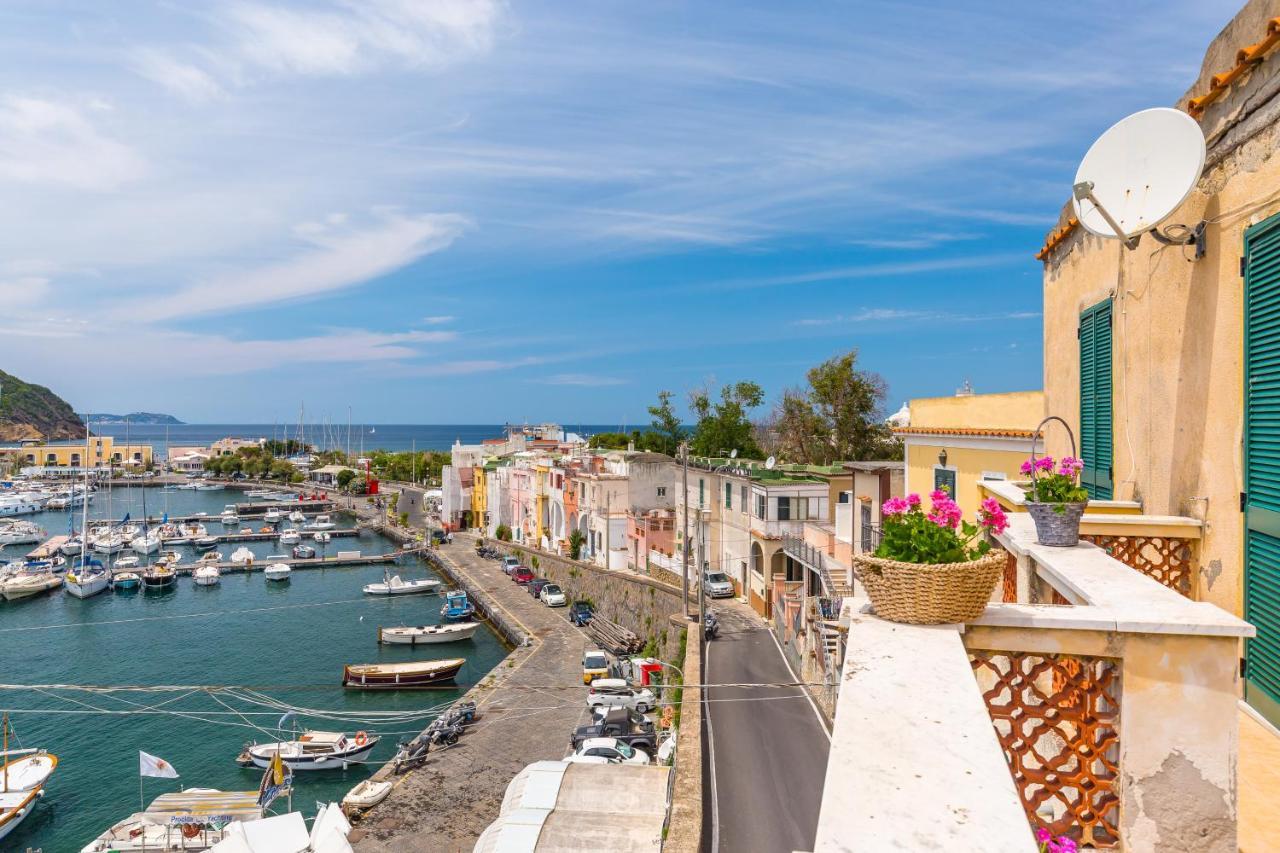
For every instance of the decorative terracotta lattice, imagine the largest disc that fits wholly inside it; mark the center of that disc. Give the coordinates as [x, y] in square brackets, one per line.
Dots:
[1058, 719]
[1166, 560]
[1010, 585]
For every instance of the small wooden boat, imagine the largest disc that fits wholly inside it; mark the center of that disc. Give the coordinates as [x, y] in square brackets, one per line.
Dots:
[393, 585]
[278, 572]
[125, 581]
[23, 782]
[457, 607]
[365, 796]
[160, 576]
[315, 751]
[400, 676]
[422, 635]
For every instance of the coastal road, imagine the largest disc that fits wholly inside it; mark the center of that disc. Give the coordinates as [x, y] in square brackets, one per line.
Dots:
[767, 758]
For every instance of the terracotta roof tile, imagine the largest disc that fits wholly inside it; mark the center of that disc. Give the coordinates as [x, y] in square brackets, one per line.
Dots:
[990, 433]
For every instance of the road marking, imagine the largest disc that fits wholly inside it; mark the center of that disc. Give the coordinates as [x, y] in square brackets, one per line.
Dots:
[711, 755]
[822, 722]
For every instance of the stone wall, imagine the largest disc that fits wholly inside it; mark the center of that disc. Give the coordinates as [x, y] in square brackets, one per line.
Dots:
[638, 603]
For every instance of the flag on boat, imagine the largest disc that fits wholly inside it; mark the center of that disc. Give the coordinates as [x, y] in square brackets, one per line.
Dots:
[150, 765]
[276, 780]
[125, 520]
[283, 721]
[164, 519]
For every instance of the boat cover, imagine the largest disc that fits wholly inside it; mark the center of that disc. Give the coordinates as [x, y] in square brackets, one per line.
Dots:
[203, 807]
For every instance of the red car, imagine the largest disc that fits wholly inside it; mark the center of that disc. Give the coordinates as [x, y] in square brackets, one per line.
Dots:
[522, 575]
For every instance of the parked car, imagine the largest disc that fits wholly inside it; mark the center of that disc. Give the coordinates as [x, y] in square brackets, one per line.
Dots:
[239, 475]
[580, 613]
[717, 584]
[535, 586]
[621, 723]
[553, 596]
[510, 564]
[521, 575]
[595, 664]
[617, 693]
[437, 537]
[612, 750]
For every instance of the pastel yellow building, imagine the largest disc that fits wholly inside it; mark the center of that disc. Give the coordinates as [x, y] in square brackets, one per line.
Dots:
[479, 496]
[96, 452]
[954, 442]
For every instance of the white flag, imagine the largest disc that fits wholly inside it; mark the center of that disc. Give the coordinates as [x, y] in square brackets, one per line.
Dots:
[149, 765]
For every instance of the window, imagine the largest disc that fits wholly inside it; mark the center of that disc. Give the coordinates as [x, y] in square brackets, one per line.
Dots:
[662, 491]
[743, 504]
[844, 497]
[802, 508]
[784, 509]
[760, 506]
[1095, 399]
[728, 495]
[945, 479]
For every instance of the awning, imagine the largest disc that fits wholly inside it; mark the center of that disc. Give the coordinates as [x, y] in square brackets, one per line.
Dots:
[219, 807]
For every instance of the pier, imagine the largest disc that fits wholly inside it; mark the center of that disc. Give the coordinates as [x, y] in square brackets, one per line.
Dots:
[340, 559]
[446, 803]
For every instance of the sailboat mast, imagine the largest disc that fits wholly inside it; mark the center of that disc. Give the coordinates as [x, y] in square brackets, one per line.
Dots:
[6, 754]
[84, 523]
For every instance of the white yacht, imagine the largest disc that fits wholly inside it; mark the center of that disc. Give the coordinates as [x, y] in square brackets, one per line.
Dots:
[19, 533]
[278, 572]
[297, 516]
[20, 504]
[230, 516]
[173, 822]
[321, 522]
[272, 516]
[290, 536]
[207, 572]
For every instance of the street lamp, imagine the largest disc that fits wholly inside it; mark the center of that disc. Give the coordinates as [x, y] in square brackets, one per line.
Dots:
[942, 458]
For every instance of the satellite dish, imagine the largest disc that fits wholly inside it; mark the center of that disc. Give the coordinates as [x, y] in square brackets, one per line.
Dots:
[1137, 173]
[733, 454]
[770, 462]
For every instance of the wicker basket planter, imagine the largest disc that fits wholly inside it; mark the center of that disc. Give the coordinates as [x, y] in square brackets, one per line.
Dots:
[923, 594]
[1057, 524]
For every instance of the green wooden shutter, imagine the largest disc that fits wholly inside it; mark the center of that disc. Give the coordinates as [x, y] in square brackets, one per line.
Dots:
[1095, 399]
[1262, 465]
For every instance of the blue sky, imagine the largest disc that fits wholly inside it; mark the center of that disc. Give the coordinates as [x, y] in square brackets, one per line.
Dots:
[473, 211]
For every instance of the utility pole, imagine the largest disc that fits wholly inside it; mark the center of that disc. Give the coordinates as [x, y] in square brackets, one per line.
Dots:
[702, 595]
[684, 575]
[608, 523]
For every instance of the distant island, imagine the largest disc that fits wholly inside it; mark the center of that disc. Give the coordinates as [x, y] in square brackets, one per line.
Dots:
[150, 418]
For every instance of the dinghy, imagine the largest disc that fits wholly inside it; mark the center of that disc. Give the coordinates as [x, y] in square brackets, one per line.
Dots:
[394, 585]
[365, 796]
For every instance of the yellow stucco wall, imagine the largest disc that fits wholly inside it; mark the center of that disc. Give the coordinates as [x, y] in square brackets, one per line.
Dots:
[1015, 410]
[99, 450]
[479, 497]
[922, 459]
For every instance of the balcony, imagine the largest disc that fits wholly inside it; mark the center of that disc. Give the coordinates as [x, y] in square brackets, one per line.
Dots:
[1091, 702]
[774, 529]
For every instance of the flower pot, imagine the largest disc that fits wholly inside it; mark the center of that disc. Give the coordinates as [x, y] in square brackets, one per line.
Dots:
[923, 594]
[1057, 524]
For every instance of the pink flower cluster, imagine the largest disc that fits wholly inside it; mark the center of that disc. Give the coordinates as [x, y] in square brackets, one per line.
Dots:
[946, 512]
[897, 506]
[1049, 844]
[992, 517]
[1044, 465]
[1070, 466]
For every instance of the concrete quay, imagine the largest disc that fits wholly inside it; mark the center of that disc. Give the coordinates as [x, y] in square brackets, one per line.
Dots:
[527, 710]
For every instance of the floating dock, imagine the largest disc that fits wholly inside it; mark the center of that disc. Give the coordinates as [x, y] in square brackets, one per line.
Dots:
[340, 559]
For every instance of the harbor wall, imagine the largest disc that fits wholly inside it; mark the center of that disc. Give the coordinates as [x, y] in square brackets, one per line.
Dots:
[641, 604]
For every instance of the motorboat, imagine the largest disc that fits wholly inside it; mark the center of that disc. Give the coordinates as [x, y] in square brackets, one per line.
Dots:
[394, 585]
[297, 516]
[69, 499]
[365, 796]
[303, 552]
[290, 536]
[27, 584]
[277, 572]
[169, 558]
[315, 751]
[125, 581]
[210, 559]
[257, 493]
[204, 543]
[242, 556]
[21, 504]
[147, 543]
[423, 635]
[20, 533]
[22, 782]
[87, 579]
[272, 516]
[322, 536]
[400, 676]
[457, 607]
[128, 561]
[209, 487]
[320, 522]
[191, 820]
[161, 576]
[207, 574]
[230, 517]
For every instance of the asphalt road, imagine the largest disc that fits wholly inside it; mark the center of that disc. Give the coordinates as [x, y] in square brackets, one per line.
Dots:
[769, 757]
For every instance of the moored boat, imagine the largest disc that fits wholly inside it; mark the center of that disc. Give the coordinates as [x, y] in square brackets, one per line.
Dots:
[423, 635]
[27, 584]
[126, 581]
[87, 579]
[321, 522]
[205, 543]
[365, 795]
[400, 676]
[128, 561]
[322, 536]
[146, 543]
[22, 782]
[290, 536]
[161, 576]
[297, 516]
[20, 533]
[191, 820]
[277, 572]
[303, 552]
[207, 575]
[242, 556]
[394, 585]
[315, 751]
[271, 516]
[457, 606]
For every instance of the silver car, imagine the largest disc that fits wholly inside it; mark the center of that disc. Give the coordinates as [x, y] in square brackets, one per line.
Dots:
[718, 585]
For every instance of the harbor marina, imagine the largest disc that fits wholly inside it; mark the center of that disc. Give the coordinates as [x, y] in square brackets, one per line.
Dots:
[287, 641]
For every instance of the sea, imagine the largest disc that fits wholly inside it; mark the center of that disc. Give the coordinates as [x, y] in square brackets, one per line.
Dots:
[360, 438]
[220, 663]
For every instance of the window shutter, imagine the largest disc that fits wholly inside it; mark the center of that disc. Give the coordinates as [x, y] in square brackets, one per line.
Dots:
[1095, 400]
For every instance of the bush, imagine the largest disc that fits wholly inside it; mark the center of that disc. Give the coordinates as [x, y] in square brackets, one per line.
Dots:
[503, 533]
[909, 535]
[576, 540]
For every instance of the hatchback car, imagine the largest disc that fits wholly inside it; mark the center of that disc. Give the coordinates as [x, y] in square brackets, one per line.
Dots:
[552, 596]
[613, 750]
[535, 586]
[510, 564]
[521, 575]
[617, 693]
[718, 585]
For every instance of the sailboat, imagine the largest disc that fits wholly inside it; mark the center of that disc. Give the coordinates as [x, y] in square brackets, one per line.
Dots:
[89, 577]
[23, 782]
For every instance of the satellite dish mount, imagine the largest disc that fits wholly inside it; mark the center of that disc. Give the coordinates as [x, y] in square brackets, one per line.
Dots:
[1083, 191]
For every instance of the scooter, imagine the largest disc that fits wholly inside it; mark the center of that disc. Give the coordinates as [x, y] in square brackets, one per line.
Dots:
[711, 627]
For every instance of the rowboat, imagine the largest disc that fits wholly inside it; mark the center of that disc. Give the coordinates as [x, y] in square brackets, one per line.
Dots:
[315, 751]
[400, 676]
[427, 634]
[394, 585]
[366, 795]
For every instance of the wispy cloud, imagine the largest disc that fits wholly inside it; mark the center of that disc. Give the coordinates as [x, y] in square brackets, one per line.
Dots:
[438, 320]
[586, 380]
[923, 240]
[58, 144]
[883, 270]
[23, 290]
[184, 79]
[903, 315]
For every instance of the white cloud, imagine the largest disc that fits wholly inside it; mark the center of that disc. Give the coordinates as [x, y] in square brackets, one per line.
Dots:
[885, 270]
[438, 320]
[885, 315]
[52, 143]
[586, 380]
[184, 79]
[337, 261]
[22, 291]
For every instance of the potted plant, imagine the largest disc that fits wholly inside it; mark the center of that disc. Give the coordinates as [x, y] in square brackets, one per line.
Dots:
[1056, 501]
[932, 568]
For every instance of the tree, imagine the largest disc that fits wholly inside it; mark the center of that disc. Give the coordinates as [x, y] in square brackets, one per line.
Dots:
[502, 533]
[723, 424]
[345, 476]
[667, 432]
[795, 431]
[576, 538]
[610, 440]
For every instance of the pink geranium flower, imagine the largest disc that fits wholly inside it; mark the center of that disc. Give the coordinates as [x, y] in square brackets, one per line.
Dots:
[897, 506]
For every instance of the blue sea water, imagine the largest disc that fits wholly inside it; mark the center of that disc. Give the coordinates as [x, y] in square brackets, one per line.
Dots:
[367, 437]
[286, 641]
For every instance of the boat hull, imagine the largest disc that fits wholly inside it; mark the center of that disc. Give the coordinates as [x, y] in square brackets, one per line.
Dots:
[427, 635]
[403, 677]
[91, 585]
[406, 588]
[10, 818]
[15, 592]
[334, 761]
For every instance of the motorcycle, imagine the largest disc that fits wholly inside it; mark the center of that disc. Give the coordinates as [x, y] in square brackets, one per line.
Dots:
[445, 729]
[711, 627]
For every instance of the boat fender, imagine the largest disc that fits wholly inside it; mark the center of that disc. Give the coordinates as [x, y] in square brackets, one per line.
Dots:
[190, 830]
[361, 738]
